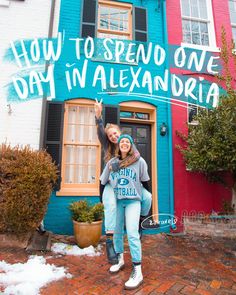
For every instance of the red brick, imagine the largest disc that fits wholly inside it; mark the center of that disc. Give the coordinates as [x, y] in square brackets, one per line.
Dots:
[164, 287]
[177, 287]
[215, 284]
[203, 292]
[227, 284]
[146, 290]
[188, 290]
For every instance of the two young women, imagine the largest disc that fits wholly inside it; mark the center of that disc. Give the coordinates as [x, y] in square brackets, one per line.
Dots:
[109, 139]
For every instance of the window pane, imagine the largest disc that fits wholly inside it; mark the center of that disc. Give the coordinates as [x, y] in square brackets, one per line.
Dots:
[70, 155]
[92, 174]
[72, 114]
[195, 27]
[186, 25]
[194, 8]
[192, 111]
[80, 175]
[113, 19]
[203, 28]
[126, 130]
[126, 114]
[142, 116]
[80, 164]
[196, 38]
[104, 23]
[69, 176]
[124, 26]
[104, 17]
[232, 10]
[114, 13]
[81, 125]
[187, 38]
[205, 39]
[234, 34]
[71, 133]
[203, 9]
[142, 132]
[114, 25]
[185, 7]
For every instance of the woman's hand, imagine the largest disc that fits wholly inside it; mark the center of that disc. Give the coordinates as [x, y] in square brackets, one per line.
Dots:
[98, 108]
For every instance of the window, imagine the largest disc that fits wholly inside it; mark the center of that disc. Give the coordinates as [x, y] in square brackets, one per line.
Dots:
[197, 22]
[134, 115]
[192, 112]
[114, 20]
[232, 11]
[80, 151]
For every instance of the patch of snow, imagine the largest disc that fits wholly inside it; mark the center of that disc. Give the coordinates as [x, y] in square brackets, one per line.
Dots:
[27, 278]
[65, 249]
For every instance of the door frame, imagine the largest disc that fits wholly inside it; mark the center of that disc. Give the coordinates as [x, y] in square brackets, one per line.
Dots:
[137, 106]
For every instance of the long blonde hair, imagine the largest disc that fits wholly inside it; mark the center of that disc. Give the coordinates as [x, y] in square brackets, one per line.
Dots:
[113, 148]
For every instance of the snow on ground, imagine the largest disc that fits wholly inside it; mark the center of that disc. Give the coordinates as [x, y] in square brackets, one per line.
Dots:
[27, 278]
[65, 249]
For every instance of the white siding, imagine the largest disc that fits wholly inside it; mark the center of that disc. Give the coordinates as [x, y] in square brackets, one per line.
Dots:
[20, 122]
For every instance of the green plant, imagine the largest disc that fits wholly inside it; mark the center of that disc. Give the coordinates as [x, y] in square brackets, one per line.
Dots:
[83, 212]
[26, 180]
[227, 208]
[210, 147]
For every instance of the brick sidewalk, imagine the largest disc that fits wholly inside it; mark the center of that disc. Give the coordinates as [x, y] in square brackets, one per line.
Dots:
[171, 265]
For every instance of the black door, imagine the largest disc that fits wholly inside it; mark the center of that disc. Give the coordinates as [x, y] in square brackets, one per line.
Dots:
[141, 134]
[142, 138]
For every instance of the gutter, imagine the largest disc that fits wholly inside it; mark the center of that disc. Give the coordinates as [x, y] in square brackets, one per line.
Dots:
[169, 124]
[44, 102]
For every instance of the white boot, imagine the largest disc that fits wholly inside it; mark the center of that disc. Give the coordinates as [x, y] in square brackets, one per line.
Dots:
[135, 279]
[117, 267]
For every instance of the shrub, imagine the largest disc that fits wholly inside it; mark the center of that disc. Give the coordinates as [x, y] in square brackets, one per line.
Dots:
[26, 180]
[83, 212]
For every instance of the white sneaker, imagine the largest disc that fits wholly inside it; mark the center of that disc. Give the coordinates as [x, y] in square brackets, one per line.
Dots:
[135, 279]
[120, 265]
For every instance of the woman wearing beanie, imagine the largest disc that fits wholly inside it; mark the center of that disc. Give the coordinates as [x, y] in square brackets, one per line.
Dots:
[127, 185]
[108, 138]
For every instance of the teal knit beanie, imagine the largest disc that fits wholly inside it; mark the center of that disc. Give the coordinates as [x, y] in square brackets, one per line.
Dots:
[126, 136]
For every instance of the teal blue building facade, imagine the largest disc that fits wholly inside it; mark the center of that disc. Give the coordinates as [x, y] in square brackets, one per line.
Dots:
[73, 20]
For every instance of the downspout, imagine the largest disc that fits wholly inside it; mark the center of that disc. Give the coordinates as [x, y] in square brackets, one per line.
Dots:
[43, 112]
[169, 123]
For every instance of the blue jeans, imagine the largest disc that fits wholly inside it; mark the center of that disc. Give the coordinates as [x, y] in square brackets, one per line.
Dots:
[109, 202]
[128, 211]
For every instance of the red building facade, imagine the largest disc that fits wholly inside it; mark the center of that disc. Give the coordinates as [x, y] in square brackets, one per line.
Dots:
[197, 24]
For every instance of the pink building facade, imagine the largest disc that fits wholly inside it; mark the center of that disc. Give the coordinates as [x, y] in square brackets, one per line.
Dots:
[196, 24]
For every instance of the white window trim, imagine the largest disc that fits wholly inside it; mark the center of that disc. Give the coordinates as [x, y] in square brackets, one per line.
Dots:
[194, 122]
[233, 25]
[211, 30]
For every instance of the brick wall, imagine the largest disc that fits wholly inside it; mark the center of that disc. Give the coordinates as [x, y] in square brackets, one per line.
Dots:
[214, 226]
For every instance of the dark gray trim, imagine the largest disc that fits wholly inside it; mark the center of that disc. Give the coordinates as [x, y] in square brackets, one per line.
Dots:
[88, 23]
[108, 116]
[44, 101]
[133, 21]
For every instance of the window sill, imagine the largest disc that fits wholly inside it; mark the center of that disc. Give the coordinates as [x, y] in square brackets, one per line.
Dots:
[64, 192]
[201, 47]
[193, 123]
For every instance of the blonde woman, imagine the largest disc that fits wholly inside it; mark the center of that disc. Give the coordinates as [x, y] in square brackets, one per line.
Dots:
[108, 138]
